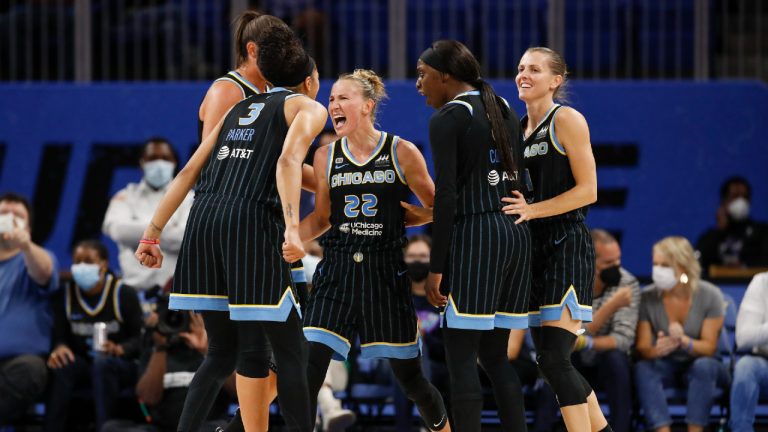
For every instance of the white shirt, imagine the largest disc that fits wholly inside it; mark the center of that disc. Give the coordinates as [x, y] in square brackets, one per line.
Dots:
[129, 213]
[752, 322]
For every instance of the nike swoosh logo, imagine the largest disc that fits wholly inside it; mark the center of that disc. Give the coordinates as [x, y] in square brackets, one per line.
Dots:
[557, 242]
[439, 424]
[400, 273]
[340, 166]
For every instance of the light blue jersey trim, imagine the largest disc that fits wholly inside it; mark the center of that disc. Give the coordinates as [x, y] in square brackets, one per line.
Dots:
[398, 169]
[339, 345]
[277, 89]
[468, 93]
[451, 318]
[207, 303]
[331, 152]
[246, 82]
[298, 275]
[465, 104]
[511, 321]
[351, 157]
[554, 312]
[387, 350]
[553, 135]
[277, 313]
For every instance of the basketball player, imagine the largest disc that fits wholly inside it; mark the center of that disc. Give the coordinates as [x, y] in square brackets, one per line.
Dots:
[230, 257]
[246, 80]
[558, 155]
[360, 287]
[480, 261]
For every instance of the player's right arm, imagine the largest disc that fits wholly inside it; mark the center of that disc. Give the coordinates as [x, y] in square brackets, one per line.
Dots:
[221, 96]
[318, 222]
[149, 254]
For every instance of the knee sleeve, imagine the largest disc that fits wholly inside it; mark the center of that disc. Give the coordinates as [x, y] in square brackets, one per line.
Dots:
[416, 387]
[253, 364]
[554, 359]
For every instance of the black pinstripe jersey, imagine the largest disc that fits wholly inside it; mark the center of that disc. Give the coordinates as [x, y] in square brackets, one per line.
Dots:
[242, 164]
[548, 165]
[365, 198]
[481, 180]
[246, 87]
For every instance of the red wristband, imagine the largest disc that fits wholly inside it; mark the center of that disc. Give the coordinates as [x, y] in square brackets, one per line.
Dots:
[150, 241]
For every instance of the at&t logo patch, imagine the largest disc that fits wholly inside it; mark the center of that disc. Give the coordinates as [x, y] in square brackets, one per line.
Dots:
[223, 153]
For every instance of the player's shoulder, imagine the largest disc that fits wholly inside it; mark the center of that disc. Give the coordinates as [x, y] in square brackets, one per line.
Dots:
[224, 90]
[569, 115]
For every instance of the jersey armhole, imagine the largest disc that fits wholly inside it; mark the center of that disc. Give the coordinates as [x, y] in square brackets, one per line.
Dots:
[553, 136]
[331, 152]
[396, 163]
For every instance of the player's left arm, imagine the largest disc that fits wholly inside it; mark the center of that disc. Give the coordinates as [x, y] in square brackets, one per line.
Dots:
[573, 134]
[306, 118]
[308, 182]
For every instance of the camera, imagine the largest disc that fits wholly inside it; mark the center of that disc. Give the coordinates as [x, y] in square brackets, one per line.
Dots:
[170, 322]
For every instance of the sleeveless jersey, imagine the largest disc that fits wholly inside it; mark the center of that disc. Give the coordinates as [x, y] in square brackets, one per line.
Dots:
[242, 165]
[548, 165]
[481, 180]
[365, 199]
[82, 312]
[246, 87]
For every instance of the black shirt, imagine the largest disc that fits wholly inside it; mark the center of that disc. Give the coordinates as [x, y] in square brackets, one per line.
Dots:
[548, 166]
[469, 174]
[117, 306]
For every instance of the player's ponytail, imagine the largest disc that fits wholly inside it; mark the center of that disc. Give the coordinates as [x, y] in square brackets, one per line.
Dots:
[498, 117]
[248, 27]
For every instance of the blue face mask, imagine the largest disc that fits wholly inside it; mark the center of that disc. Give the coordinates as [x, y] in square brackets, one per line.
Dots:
[158, 172]
[86, 276]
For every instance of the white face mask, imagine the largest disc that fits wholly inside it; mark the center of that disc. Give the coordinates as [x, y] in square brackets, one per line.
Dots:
[739, 209]
[664, 277]
[158, 172]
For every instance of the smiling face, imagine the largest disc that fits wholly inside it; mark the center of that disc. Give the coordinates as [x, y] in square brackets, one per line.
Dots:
[430, 84]
[347, 107]
[535, 79]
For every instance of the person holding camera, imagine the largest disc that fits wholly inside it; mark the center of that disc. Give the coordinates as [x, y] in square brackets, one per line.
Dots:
[174, 346]
[96, 337]
[28, 276]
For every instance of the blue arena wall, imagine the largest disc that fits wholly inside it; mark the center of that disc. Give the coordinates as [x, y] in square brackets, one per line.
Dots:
[663, 149]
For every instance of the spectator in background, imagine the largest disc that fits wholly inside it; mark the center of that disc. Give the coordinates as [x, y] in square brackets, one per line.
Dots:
[171, 355]
[679, 324]
[28, 276]
[603, 350]
[737, 240]
[95, 295]
[750, 378]
[132, 207]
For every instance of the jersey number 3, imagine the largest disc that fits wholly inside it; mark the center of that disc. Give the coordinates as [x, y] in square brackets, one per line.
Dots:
[368, 207]
[253, 115]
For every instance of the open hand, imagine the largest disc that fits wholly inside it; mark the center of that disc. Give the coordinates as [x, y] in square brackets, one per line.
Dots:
[432, 288]
[517, 205]
[60, 357]
[415, 215]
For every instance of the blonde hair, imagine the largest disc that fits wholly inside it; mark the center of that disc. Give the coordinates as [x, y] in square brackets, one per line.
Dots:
[558, 67]
[371, 85]
[681, 255]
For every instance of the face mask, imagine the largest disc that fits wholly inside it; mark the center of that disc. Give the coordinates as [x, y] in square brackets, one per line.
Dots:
[611, 276]
[86, 275]
[664, 277]
[739, 209]
[418, 270]
[158, 172]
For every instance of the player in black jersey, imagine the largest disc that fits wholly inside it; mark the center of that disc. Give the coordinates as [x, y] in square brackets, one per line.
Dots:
[244, 81]
[246, 206]
[480, 261]
[558, 155]
[360, 287]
